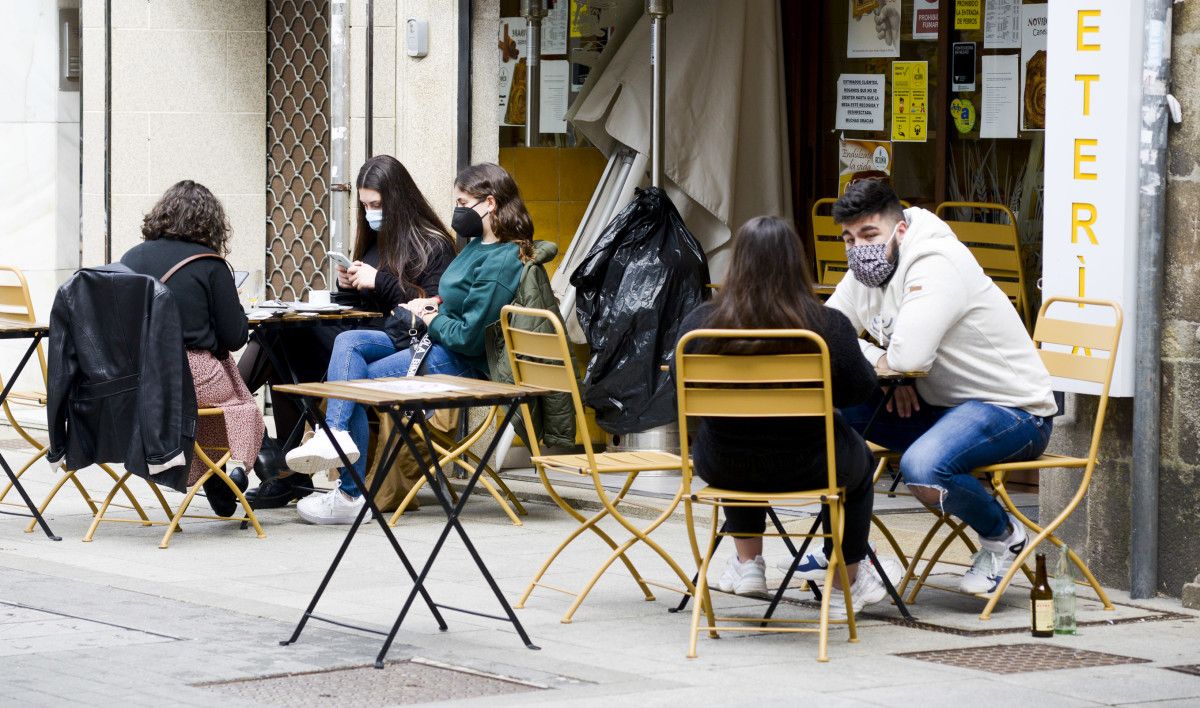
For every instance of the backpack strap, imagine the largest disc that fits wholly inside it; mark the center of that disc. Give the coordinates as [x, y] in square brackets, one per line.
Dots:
[175, 268]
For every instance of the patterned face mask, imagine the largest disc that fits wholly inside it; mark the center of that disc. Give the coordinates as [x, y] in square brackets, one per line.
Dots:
[870, 264]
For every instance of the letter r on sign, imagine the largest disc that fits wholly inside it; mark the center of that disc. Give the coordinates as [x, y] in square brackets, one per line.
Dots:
[1079, 222]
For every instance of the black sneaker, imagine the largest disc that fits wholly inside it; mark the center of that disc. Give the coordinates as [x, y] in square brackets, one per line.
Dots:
[279, 492]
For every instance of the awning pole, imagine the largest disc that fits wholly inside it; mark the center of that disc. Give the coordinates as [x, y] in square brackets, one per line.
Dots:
[1147, 382]
[534, 11]
[658, 11]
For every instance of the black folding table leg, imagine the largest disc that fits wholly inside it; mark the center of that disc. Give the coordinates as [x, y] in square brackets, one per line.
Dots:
[452, 522]
[391, 451]
[887, 583]
[696, 578]
[799, 553]
[16, 483]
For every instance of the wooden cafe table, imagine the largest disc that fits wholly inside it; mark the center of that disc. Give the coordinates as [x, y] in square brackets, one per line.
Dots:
[408, 401]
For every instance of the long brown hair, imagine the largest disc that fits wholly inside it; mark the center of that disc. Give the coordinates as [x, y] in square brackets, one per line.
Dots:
[510, 222]
[768, 286]
[188, 211]
[411, 231]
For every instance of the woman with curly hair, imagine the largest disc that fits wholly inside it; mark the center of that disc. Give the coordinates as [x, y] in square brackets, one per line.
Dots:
[186, 239]
[483, 278]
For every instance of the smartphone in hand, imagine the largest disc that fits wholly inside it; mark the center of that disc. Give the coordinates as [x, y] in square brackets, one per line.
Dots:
[340, 259]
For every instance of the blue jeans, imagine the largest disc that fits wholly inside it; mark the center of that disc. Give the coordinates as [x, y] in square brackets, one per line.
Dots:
[369, 354]
[942, 445]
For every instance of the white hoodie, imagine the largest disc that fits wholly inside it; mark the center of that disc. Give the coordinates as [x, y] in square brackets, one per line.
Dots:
[941, 314]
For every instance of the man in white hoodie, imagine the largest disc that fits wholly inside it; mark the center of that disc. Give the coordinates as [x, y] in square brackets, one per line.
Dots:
[920, 294]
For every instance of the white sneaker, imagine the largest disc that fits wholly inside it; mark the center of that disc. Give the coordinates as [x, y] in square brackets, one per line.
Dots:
[748, 578]
[318, 454]
[993, 560]
[332, 507]
[867, 588]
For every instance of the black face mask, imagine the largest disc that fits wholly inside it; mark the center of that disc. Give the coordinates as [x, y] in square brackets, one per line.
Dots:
[467, 222]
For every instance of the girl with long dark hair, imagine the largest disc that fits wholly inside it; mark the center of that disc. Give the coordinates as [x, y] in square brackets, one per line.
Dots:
[483, 278]
[768, 286]
[401, 249]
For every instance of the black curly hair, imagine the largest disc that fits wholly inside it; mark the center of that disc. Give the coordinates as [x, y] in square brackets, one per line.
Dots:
[188, 211]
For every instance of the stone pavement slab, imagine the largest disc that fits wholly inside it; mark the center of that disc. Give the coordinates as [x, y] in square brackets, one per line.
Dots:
[120, 620]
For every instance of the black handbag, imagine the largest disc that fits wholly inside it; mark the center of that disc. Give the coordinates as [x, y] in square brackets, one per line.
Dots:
[407, 331]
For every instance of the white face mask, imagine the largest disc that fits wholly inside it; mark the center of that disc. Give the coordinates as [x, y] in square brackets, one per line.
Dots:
[374, 218]
[870, 263]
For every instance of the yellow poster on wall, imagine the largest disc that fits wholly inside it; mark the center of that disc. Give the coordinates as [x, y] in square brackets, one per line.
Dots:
[968, 14]
[910, 101]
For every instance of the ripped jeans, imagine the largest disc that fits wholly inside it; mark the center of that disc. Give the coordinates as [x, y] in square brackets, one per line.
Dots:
[942, 445]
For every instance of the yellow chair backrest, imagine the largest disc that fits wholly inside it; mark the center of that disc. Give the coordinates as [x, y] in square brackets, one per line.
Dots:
[996, 246]
[754, 385]
[543, 359]
[1080, 362]
[16, 305]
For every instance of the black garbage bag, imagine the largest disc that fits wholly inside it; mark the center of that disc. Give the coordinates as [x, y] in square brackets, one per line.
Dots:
[645, 272]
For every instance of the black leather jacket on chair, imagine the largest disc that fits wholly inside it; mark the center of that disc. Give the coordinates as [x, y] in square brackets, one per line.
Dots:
[120, 389]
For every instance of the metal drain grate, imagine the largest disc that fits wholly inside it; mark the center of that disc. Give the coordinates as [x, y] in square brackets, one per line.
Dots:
[1193, 669]
[1021, 658]
[399, 683]
[960, 632]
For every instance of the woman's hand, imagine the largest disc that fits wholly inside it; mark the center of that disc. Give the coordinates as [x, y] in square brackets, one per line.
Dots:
[343, 279]
[362, 276]
[420, 305]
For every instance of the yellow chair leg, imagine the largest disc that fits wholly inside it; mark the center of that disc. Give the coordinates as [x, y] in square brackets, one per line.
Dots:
[839, 530]
[585, 525]
[937, 555]
[702, 598]
[37, 456]
[887, 535]
[412, 493]
[99, 515]
[183, 505]
[491, 489]
[50, 497]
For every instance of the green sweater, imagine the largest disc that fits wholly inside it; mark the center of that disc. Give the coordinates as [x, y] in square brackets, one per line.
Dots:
[480, 281]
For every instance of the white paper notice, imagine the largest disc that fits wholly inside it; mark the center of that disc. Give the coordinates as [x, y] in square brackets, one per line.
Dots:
[1033, 67]
[408, 386]
[874, 29]
[554, 30]
[1002, 24]
[556, 77]
[998, 117]
[860, 101]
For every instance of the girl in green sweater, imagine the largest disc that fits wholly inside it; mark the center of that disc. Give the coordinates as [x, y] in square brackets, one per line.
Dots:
[482, 279]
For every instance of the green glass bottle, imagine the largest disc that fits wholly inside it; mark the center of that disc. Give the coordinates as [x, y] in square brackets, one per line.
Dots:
[1064, 593]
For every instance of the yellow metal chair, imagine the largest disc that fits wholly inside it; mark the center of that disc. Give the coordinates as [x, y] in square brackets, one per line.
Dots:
[1068, 349]
[829, 251]
[996, 246]
[544, 360]
[16, 305]
[214, 468]
[458, 453]
[761, 386]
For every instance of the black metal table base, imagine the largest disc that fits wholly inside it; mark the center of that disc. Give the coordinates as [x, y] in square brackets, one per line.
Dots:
[16, 482]
[401, 434]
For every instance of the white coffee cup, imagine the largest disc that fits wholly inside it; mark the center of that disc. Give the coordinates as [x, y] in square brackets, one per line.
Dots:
[318, 297]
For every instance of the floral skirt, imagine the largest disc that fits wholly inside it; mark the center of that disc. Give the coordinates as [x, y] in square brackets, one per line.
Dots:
[219, 385]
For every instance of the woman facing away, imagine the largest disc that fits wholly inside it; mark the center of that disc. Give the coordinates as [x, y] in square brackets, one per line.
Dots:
[483, 278]
[186, 240]
[769, 287]
[401, 249]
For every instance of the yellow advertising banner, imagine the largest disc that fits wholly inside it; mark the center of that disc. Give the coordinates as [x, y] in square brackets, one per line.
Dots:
[968, 14]
[910, 101]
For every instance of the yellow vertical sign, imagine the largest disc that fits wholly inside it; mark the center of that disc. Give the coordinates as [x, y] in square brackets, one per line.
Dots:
[910, 101]
[968, 14]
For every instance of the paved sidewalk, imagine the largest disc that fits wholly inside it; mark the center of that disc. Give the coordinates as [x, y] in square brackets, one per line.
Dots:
[118, 620]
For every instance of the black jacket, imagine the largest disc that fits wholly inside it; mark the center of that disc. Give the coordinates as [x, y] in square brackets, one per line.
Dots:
[120, 389]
